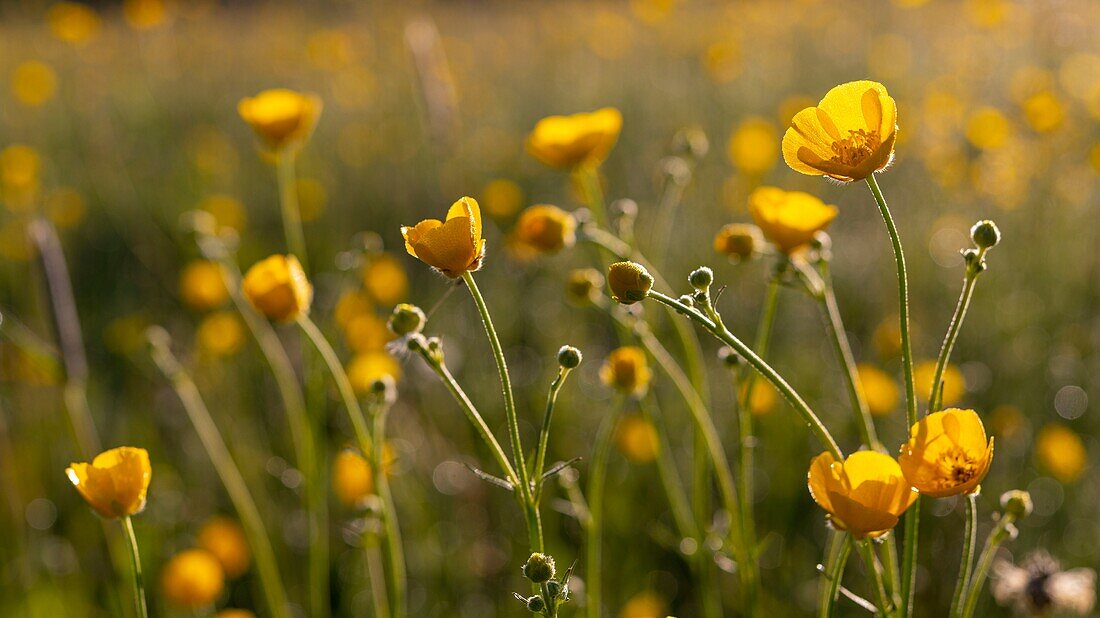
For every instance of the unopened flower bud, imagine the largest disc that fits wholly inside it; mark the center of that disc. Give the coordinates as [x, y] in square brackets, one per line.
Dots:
[739, 241]
[985, 234]
[384, 388]
[1016, 503]
[687, 300]
[553, 588]
[569, 357]
[701, 278]
[630, 282]
[278, 288]
[535, 604]
[539, 568]
[691, 142]
[406, 319]
[676, 170]
[728, 357]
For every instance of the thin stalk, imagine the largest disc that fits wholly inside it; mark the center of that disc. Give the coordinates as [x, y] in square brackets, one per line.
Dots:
[394, 548]
[867, 552]
[597, 480]
[228, 472]
[288, 201]
[544, 432]
[972, 272]
[966, 564]
[890, 569]
[588, 177]
[839, 550]
[1002, 530]
[135, 562]
[377, 579]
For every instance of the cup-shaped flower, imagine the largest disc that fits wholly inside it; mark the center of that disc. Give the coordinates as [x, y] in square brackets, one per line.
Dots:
[865, 494]
[848, 136]
[282, 118]
[947, 453]
[453, 246]
[545, 229]
[192, 579]
[114, 484]
[789, 219]
[225, 540]
[630, 282]
[738, 241]
[626, 370]
[575, 140]
[278, 288]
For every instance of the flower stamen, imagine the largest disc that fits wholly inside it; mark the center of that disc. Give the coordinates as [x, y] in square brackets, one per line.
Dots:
[859, 145]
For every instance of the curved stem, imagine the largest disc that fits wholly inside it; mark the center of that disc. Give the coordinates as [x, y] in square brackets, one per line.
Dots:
[544, 432]
[135, 562]
[867, 552]
[355, 413]
[288, 201]
[394, 548]
[967, 561]
[840, 549]
[597, 480]
[972, 272]
[992, 543]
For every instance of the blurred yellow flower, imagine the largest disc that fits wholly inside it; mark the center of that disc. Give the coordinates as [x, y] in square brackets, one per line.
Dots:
[1044, 111]
[144, 14]
[220, 334]
[753, 147]
[33, 83]
[367, 367]
[583, 286]
[20, 168]
[235, 613]
[723, 60]
[501, 198]
[954, 383]
[367, 332]
[385, 279]
[114, 484]
[192, 579]
[947, 453]
[645, 604]
[1061, 452]
[545, 229]
[278, 288]
[452, 247]
[789, 219]
[738, 241]
[330, 50]
[202, 285]
[228, 211]
[578, 139]
[637, 439]
[351, 304]
[626, 370]
[224, 538]
[65, 207]
[879, 389]
[352, 479]
[73, 22]
[282, 118]
[865, 494]
[848, 136]
[1007, 421]
[988, 129]
[763, 398]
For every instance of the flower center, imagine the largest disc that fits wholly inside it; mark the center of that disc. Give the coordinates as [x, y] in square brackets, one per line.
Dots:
[859, 145]
[957, 466]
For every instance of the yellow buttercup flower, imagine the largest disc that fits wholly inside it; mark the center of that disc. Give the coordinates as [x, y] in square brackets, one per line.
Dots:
[865, 494]
[228, 211]
[738, 241]
[763, 398]
[453, 246]
[33, 83]
[848, 136]
[220, 334]
[278, 288]
[626, 370]
[366, 332]
[947, 453]
[224, 539]
[73, 22]
[1061, 452]
[368, 367]
[114, 484]
[202, 285]
[752, 148]
[235, 613]
[637, 439]
[20, 168]
[144, 14]
[954, 382]
[352, 304]
[645, 604]
[281, 117]
[385, 279]
[351, 478]
[575, 140]
[789, 219]
[545, 229]
[502, 198]
[880, 391]
[192, 579]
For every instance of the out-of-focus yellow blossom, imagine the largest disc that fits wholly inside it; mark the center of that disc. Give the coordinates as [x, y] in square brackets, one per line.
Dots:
[545, 229]
[453, 246]
[954, 383]
[367, 332]
[987, 13]
[583, 286]
[848, 136]
[1044, 112]
[352, 479]
[791, 106]
[282, 118]
[15, 245]
[763, 398]
[1007, 421]
[145, 14]
[865, 494]
[385, 279]
[235, 613]
[224, 538]
[626, 370]
[611, 34]
[330, 50]
[1094, 158]
[575, 140]
[116, 481]
[312, 198]
[723, 60]
[212, 151]
[228, 211]
[789, 219]
[20, 168]
[738, 241]
[880, 391]
[645, 604]
[753, 147]
[350, 305]
[73, 22]
[278, 288]
[220, 334]
[501, 198]
[637, 439]
[65, 207]
[367, 367]
[947, 453]
[33, 83]
[192, 579]
[988, 129]
[202, 285]
[1061, 452]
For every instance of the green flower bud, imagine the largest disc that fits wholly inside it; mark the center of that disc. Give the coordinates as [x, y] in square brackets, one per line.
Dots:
[536, 604]
[701, 278]
[985, 234]
[406, 320]
[539, 568]
[553, 588]
[1016, 503]
[728, 357]
[630, 282]
[569, 357]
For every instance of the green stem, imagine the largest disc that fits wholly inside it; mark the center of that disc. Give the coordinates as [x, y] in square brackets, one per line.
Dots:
[972, 272]
[1001, 531]
[597, 480]
[670, 478]
[135, 562]
[867, 552]
[343, 384]
[890, 568]
[967, 561]
[288, 201]
[909, 557]
[588, 177]
[228, 472]
[839, 550]
[544, 432]
[377, 578]
[394, 548]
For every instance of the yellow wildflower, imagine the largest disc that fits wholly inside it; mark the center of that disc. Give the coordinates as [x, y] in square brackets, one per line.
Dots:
[202, 285]
[352, 479]
[65, 207]
[144, 14]
[224, 538]
[220, 334]
[626, 370]
[954, 382]
[865, 494]
[192, 579]
[988, 129]
[752, 147]
[367, 332]
[20, 168]
[1044, 111]
[73, 22]
[451, 247]
[114, 484]
[789, 219]
[1061, 452]
[33, 83]
[502, 198]
[282, 118]
[385, 279]
[278, 288]
[629, 282]
[228, 211]
[880, 391]
[763, 397]
[947, 453]
[351, 304]
[738, 241]
[367, 367]
[645, 604]
[235, 613]
[637, 439]
[579, 139]
[545, 229]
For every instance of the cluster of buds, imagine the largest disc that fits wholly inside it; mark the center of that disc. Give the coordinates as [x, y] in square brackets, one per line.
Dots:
[541, 571]
[985, 235]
